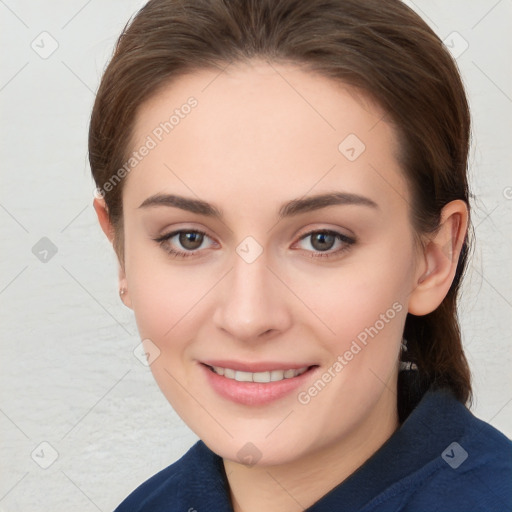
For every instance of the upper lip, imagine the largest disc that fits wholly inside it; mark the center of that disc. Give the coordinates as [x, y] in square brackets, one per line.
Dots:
[254, 367]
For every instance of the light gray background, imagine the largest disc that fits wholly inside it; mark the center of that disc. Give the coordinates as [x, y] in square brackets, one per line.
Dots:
[68, 373]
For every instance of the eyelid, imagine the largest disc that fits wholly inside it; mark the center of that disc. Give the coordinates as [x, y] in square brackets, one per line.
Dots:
[189, 228]
[334, 231]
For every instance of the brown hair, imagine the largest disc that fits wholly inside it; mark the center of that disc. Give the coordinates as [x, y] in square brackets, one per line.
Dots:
[382, 47]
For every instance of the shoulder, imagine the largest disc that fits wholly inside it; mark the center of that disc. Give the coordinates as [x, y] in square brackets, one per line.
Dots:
[477, 470]
[472, 471]
[170, 488]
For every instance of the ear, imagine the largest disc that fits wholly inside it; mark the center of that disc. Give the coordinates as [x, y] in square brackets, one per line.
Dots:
[440, 256]
[102, 212]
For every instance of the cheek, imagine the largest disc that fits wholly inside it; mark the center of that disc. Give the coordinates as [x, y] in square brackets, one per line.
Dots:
[362, 305]
[167, 301]
[354, 296]
[364, 310]
[164, 295]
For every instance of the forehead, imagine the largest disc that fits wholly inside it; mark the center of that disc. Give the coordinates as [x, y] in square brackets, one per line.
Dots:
[274, 130]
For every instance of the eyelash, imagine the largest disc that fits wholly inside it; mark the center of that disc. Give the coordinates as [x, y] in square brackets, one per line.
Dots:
[173, 252]
[348, 242]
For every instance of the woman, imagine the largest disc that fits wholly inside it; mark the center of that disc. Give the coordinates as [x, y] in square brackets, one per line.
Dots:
[284, 184]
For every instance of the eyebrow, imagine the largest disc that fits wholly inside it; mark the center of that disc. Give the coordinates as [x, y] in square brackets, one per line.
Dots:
[289, 209]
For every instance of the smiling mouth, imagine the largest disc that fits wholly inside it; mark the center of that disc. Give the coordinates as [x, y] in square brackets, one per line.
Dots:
[260, 377]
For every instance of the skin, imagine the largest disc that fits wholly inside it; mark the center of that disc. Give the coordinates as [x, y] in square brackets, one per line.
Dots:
[261, 136]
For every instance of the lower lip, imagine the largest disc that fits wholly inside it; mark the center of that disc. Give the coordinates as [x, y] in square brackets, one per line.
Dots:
[254, 393]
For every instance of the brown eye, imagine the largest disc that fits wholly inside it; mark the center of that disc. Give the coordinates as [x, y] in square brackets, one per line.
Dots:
[184, 243]
[322, 241]
[325, 243]
[191, 240]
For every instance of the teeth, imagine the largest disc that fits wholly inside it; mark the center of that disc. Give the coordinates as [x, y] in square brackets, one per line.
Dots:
[261, 377]
[270, 376]
[229, 373]
[219, 370]
[243, 376]
[276, 375]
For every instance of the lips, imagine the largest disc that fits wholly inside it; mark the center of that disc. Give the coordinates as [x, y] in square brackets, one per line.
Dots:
[255, 383]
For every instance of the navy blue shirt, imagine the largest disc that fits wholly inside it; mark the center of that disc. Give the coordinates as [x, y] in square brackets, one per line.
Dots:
[442, 458]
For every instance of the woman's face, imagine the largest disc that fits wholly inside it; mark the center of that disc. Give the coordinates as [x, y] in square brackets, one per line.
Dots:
[305, 266]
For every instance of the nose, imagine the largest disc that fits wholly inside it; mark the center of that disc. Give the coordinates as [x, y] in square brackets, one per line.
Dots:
[253, 304]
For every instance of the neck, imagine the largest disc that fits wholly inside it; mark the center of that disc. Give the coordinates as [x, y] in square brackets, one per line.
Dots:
[295, 486]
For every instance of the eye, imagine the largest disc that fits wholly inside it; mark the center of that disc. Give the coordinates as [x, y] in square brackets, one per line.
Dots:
[319, 243]
[189, 240]
[322, 242]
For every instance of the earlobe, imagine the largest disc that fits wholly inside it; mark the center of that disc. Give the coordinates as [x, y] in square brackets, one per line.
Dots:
[123, 289]
[440, 257]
